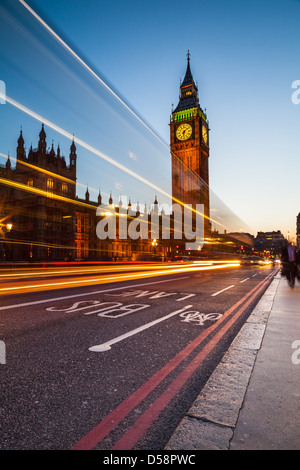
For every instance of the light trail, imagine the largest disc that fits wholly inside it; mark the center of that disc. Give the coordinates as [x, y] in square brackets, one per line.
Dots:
[96, 76]
[98, 269]
[102, 291]
[97, 152]
[41, 192]
[82, 143]
[103, 280]
[47, 172]
[100, 81]
[38, 169]
[84, 64]
[6, 274]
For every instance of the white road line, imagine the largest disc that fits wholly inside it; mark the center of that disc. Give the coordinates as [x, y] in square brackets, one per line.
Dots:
[254, 275]
[107, 346]
[219, 292]
[244, 280]
[37, 302]
[186, 297]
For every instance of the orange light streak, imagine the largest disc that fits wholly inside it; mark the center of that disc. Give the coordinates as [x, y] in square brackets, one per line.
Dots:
[104, 280]
[41, 192]
[100, 269]
[101, 154]
[40, 170]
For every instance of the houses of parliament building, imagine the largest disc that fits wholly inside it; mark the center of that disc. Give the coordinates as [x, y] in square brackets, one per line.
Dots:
[42, 218]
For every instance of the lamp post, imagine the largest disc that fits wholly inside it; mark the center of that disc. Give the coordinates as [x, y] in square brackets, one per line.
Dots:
[4, 229]
[154, 244]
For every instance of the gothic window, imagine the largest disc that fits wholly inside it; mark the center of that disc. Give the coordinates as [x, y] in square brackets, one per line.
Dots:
[65, 189]
[50, 184]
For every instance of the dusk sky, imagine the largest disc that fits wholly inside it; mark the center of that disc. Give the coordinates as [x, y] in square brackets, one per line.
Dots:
[244, 58]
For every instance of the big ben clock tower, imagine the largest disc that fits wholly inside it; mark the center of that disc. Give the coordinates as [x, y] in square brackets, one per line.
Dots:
[189, 144]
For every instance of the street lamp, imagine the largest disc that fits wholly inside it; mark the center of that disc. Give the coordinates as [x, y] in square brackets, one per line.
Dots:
[4, 229]
[154, 244]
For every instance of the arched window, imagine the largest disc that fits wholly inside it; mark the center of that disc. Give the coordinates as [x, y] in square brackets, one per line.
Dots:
[65, 189]
[50, 185]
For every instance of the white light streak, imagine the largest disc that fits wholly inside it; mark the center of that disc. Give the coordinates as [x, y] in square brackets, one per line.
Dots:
[76, 56]
[84, 144]
[94, 151]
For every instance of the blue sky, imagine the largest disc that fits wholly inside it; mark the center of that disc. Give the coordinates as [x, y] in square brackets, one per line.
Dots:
[244, 56]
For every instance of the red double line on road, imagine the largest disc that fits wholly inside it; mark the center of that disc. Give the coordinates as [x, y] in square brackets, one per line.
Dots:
[131, 437]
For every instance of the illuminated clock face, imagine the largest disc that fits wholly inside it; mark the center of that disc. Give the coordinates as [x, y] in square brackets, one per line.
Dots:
[184, 131]
[204, 134]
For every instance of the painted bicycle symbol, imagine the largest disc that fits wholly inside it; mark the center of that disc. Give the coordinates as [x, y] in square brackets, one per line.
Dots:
[199, 318]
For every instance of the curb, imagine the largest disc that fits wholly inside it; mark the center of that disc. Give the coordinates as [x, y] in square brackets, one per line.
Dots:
[211, 421]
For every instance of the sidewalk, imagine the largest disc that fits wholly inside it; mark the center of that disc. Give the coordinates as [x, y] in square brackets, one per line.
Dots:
[252, 399]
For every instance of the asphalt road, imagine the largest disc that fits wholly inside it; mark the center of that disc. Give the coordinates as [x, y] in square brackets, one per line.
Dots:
[115, 365]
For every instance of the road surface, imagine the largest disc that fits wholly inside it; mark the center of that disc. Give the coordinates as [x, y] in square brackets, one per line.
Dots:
[112, 360]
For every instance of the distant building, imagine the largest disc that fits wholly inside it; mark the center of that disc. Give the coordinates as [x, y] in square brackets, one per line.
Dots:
[245, 238]
[270, 241]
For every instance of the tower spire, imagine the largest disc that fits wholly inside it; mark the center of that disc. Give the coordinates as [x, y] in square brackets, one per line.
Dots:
[188, 98]
[21, 149]
[73, 155]
[188, 79]
[8, 164]
[42, 142]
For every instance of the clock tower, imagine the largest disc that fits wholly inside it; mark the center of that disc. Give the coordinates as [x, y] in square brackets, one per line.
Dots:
[189, 144]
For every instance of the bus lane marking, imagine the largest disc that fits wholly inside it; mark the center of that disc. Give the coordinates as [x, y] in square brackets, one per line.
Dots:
[107, 345]
[106, 310]
[152, 294]
[56, 299]
[109, 423]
